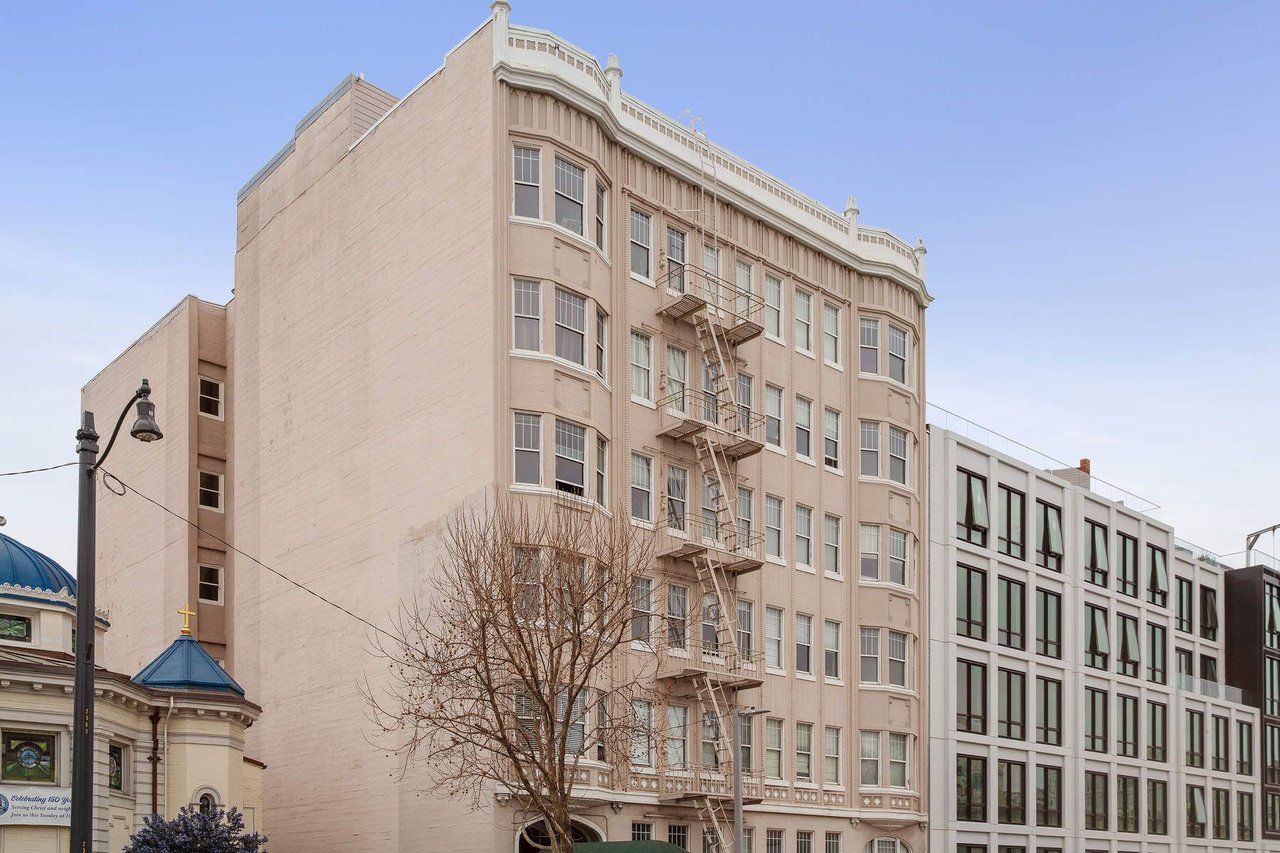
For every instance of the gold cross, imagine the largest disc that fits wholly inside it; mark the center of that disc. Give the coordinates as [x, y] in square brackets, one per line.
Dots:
[186, 613]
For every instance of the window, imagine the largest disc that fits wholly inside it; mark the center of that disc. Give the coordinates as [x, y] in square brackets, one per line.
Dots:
[1244, 748]
[1048, 796]
[1048, 536]
[527, 178]
[1095, 720]
[869, 655]
[1011, 628]
[804, 752]
[710, 518]
[1271, 689]
[642, 365]
[210, 496]
[602, 340]
[832, 843]
[773, 748]
[773, 306]
[831, 755]
[677, 616]
[804, 642]
[897, 354]
[1157, 807]
[869, 449]
[526, 307]
[1127, 570]
[803, 305]
[898, 761]
[804, 427]
[804, 535]
[830, 333]
[1011, 777]
[1130, 650]
[1012, 722]
[773, 416]
[1185, 661]
[641, 487]
[210, 402]
[869, 551]
[831, 438]
[1097, 648]
[1271, 753]
[675, 260]
[773, 526]
[15, 628]
[831, 649]
[897, 659]
[1195, 738]
[971, 602]
[711, 617]
[1196, 814]
[601, 209]
[602, 471]
[1208, 613]
[804, 841]
[972, 521]
[29, 757]
[746, 629]
[1048, 623]
[642, 734]
[1095, 801]
[678, 834]
[831, 544]
[1184, 606]
[1157, 731]
[528, 449]
[1272, 596]
[1272, 817]
[1096, 569]
[971, 703]
[745, 403]
[1244, 816]
[971, 788]
[210, 588]
[1157, 576]
[1221, 813]
[641, 241]
[1157, 654]
[1012, 507]
[773, 841]
[571, 194]
[1127, 732]
[115, 767]
[571, 326]
[1048, 711]
[870, 759]
[1126, 804]
[743, 279]
[571, 458]
[1221, 744]
[898, 556]
[641, 609]
[710, 739]
[898, 455]
[868, 345]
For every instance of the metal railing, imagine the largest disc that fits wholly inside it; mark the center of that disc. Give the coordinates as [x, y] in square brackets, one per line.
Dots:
[1237, 560]
[725, 301]
[709, 409]
[1212, 689]
[692, 527]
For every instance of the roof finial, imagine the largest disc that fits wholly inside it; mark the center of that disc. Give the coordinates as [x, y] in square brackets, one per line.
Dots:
[186, 613]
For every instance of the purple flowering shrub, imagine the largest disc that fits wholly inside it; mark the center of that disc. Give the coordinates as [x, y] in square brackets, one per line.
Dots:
[193, 831]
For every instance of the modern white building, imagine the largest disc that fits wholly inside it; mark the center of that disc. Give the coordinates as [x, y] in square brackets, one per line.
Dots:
[1077, 669]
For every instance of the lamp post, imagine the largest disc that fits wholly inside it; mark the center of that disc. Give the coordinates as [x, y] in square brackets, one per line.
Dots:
[739, 716]
[82, 753]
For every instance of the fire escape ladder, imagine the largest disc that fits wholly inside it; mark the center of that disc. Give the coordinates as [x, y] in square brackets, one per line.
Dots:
[718, 362]
[722, 485]
[714, 582]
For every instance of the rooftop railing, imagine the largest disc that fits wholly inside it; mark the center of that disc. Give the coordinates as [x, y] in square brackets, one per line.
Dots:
[1212, 689]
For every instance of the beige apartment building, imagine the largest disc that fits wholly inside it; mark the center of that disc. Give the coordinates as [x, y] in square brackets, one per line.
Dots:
[520, 279]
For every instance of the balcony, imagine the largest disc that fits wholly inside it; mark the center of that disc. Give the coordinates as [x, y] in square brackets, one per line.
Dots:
[1211, 689]
[683, 656]
[696, 782]
[732, 312]
[689, 537]
[735, 431]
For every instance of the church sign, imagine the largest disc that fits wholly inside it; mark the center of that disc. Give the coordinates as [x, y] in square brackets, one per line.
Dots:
[35, 806]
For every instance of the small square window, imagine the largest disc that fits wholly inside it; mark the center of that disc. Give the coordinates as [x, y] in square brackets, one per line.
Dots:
[210, 490]
[211, 584]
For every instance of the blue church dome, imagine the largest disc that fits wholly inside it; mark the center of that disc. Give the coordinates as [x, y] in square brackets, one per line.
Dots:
[26, 567]
[185, 665]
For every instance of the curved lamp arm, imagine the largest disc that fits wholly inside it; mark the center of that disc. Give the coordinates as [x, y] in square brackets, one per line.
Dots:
[144, 428]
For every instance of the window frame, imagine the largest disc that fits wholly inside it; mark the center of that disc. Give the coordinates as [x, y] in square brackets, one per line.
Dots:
[201, 583]
[517, 182]
[637, 216]
[218, 400]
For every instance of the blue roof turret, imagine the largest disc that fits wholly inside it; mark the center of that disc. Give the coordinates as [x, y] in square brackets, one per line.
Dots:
[21, 566]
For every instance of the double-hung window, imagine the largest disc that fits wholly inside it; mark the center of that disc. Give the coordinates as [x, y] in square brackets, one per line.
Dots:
[210, 397]
[898, 556]
[804, 643]
[571, 458]
[1048, 536]
[641, 487]
[677, 616]
[210, 491]
[1095, 571]
[972, 519]
[830, 333]
[677, 497]
[528, 448]
[898, 444]
[743, 279]
[869, 655]
[898, 354]
[773, 637]
[773, 416]
[804, 428]
[869, 759]
[804, 752]
[641, 365]
[869, 551]
[831, 649]
[773, 748]
[772, 306]
[675, 260]
[869, 448]
[527, 180]
[526, 298]
[641, 243]
[746, 629]
[831, 438]
[831, 544]
[773, 526]
[602, 342]
[602, 208]
[641, 610]
[898, 760]
[803, 305]
[677, 737]
[210, 588]
[868, 345]
[804, 535]
[571, 326]
[571, 195]
[831, 755]
[897, 663]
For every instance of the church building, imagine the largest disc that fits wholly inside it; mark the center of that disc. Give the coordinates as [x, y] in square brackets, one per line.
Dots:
[170, 736]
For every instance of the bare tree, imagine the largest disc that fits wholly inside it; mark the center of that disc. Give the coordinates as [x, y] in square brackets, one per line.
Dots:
[528, 629]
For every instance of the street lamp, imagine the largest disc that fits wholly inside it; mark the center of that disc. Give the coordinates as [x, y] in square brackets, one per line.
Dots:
[739, 715]
[144, 429]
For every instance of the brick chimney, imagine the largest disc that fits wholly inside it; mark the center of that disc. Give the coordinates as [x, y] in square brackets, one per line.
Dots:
[1078, 476]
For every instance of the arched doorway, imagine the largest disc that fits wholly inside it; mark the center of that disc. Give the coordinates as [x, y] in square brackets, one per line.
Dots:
[537, 831]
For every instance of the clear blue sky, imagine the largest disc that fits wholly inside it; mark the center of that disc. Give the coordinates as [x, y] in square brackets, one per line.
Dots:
[1097, 184]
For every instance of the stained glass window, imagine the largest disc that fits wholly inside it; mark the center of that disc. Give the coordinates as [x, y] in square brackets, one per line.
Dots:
[28, 757]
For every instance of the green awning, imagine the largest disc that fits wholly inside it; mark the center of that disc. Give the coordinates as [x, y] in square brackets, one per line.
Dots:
[626, 847]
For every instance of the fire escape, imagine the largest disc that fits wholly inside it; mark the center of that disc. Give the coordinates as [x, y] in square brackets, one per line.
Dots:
[717, 543]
